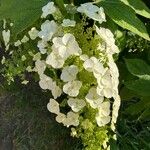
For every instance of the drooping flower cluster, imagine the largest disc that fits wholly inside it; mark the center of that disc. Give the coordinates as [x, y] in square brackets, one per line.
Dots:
[70, 65]
[64, 47]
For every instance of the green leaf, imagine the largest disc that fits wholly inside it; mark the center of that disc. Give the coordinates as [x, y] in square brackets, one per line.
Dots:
[140, 86]
[138, 67]
[139, 7]
[124, 16]
[23, 13]
[139, 106]
[145, 116]
[127, 97]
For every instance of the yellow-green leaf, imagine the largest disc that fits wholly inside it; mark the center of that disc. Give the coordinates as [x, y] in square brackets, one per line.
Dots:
[139, 7]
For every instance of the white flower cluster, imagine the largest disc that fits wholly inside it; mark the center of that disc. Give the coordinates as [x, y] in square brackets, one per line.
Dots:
[107, 81]
[63, 47]
[108, 39]
[57, 47]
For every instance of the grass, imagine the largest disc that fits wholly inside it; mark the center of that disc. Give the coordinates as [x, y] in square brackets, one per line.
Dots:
[32, 127]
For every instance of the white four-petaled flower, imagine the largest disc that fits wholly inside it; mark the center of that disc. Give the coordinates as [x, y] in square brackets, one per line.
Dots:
[48, 9]
[33, 33]
[53, 106]
[40, 66]
[105, 86]
[93, 98]
[72, 88]
[71, 119]
[69, 73]
[60, 117]
[76, 104]
[48, 29]
[102, 117]
[55, 60]
[66, 46]
[94, 65]
[45, 82]
[56, 90]
[42, 45]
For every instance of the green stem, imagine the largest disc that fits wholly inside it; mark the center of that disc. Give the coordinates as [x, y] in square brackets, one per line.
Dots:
[60, 4]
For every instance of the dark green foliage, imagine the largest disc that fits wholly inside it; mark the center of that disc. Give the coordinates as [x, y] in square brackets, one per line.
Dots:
[133, 134]
[134, 117]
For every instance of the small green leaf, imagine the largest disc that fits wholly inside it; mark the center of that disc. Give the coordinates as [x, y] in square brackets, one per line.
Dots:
[124, 16]
[139, 7]
[23, 13]
[138, 67]
[140, 86]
